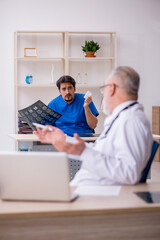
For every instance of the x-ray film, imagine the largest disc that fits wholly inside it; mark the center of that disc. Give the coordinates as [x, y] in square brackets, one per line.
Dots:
[39, 113]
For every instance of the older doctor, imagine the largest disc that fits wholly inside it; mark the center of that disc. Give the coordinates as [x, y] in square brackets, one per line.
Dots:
[121, 152]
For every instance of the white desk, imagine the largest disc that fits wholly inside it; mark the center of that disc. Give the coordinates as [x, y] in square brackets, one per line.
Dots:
[34, 138]
[156, 136]
[122, 217]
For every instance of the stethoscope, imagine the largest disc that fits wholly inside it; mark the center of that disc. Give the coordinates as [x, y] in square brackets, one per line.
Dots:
[130, 105]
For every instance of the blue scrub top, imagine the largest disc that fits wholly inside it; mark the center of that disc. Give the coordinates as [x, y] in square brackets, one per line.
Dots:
[73, 119]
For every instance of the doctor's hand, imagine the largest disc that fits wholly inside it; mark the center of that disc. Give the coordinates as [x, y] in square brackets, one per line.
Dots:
[46, 136]
[58, 139]
[87, 101]
[70, 148]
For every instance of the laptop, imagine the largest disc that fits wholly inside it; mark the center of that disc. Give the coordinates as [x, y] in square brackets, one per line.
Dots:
[35, 176]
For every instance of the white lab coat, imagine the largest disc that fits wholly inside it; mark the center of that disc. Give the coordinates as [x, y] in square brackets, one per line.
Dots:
[121, 155]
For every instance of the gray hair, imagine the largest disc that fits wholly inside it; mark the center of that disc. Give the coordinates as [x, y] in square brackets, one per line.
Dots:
[130, 79]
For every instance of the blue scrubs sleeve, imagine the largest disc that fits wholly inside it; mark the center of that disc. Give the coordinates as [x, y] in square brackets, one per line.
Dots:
[93, 109]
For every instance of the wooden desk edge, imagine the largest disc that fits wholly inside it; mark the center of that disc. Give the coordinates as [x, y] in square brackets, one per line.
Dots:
[83, 212]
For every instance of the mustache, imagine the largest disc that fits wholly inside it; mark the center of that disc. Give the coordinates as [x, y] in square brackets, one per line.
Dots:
[68, 95]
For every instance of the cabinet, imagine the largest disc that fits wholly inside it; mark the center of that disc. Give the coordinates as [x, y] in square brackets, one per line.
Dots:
[60, 53]
[156, 128]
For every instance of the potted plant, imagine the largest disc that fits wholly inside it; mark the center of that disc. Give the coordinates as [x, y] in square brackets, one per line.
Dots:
[90, 48]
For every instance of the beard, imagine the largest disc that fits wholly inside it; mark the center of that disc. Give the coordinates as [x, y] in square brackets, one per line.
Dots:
[105, 108]
[68, 98]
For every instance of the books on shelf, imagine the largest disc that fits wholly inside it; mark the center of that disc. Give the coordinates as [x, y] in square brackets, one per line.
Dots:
[23, 127]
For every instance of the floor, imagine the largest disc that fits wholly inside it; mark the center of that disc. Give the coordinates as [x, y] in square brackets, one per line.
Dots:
[155, 172]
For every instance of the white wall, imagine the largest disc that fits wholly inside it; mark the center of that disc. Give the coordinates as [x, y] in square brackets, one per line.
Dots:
[137, 24]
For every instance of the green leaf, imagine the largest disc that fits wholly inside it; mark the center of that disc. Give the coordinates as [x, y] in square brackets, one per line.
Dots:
[90, 46]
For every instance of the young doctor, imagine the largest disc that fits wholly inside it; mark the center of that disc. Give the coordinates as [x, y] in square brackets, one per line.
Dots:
[79, 114]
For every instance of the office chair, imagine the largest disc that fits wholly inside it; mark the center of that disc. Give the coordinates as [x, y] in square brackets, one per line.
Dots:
[146, 169]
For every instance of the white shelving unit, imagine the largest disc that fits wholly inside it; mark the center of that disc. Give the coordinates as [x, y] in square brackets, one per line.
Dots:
[61, 52]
